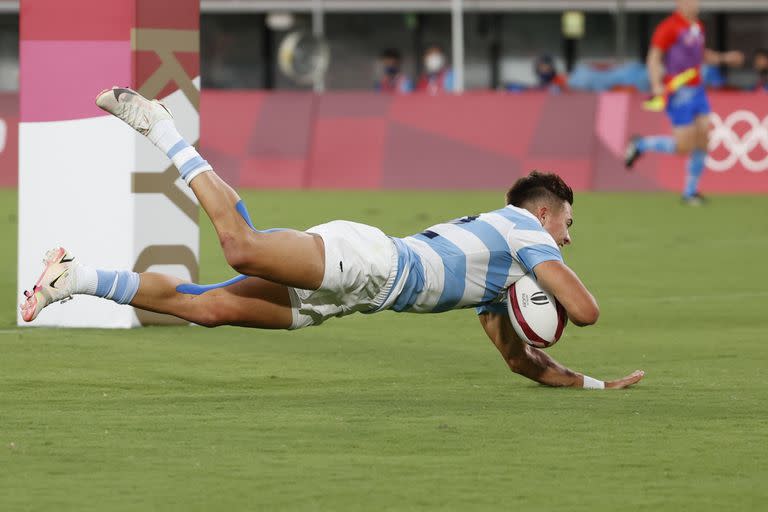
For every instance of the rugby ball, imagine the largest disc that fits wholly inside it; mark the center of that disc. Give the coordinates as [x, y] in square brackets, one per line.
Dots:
[536, 315]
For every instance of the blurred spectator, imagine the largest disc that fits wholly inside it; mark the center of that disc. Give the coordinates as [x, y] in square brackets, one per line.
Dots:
[437, 76]
[392, 79]
[760, 65]
[630, 75]
[547, 76]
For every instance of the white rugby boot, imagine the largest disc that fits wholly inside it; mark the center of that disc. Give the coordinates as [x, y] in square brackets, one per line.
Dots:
[134, 109]
[56, 284]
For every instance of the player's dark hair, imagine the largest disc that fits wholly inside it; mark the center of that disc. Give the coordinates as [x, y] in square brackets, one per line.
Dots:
[761, 52]
[390, 53]
[537, 186]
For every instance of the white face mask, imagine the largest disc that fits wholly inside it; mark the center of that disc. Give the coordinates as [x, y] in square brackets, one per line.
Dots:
[434, 62]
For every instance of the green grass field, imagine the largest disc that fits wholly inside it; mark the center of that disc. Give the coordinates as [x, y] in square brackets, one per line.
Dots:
[409, 412]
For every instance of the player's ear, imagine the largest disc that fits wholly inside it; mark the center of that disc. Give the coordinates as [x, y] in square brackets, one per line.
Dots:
[542, 213]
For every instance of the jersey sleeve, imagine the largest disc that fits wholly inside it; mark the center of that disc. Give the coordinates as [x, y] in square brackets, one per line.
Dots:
[664, 36]
[531, 247]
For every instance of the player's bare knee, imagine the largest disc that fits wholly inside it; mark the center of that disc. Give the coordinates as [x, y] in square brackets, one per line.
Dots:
[703, 141]
[684, 147]
[238, 250]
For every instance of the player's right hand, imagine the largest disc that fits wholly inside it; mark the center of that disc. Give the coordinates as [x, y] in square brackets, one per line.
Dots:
[733, 58]
[625, 382]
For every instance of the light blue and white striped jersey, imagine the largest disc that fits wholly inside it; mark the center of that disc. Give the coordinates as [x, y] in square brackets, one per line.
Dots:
[469, 262]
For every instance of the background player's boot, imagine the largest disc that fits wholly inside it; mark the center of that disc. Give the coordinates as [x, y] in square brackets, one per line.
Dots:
[134, 109]
[694, 200]
[55, 283]
[632, 153]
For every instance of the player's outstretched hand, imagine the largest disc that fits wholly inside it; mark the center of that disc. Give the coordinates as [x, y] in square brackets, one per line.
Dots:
[625, 382]
[734, 59]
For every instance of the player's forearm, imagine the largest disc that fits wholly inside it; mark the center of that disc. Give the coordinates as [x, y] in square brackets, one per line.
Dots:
[540, 367]
[712, 57]
[655, 69]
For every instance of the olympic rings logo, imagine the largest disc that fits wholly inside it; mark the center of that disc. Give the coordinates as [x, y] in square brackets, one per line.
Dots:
[738, 146]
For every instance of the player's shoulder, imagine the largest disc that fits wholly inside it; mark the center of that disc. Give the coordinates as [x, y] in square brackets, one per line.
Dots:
[671, 22]
[677, 22]
[667, 31]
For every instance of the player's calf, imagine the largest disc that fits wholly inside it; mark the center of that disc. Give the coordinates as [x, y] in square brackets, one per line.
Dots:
[204, 312]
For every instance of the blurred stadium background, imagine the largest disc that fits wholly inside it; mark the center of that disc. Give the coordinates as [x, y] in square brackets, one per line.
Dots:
[354, 138]
[407, 412]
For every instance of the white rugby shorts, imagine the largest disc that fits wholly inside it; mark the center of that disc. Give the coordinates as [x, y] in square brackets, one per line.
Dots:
[360, 272]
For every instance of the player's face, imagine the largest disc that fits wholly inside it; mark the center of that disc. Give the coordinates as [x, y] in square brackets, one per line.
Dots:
[690, 8]
[558, 222]
[761, 63]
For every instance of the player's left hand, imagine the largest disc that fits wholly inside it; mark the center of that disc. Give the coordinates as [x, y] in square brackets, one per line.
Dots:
[733, 59]
[625, 382]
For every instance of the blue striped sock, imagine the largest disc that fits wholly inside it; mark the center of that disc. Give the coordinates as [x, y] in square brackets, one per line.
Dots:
[187, 160]
[657, 144]
[184, 156]
[120, 287]
[695, 170]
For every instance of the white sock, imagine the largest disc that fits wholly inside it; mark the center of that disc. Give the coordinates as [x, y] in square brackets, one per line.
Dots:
[85, 281]
[164, 135]
[120, 287]
[185, 157]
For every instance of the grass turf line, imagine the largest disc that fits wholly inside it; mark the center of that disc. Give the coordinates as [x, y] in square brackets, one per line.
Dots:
[412, 412]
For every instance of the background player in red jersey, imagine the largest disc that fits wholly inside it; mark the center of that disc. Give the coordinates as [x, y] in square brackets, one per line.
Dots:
[677, 47]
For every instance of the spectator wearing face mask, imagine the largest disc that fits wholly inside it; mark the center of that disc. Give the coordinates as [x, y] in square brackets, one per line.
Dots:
[547, 76]
[437, 77]
[391, 79]
[760, 65]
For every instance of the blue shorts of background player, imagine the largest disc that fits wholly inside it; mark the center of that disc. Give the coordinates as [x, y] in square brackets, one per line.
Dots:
[686, 104]
[688, 110]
